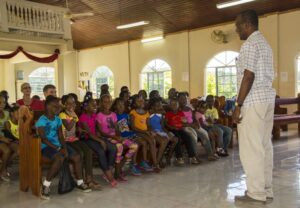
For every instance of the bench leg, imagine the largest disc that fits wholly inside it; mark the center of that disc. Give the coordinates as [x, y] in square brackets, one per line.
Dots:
[276, 132]
[23, 164]
[35, 179]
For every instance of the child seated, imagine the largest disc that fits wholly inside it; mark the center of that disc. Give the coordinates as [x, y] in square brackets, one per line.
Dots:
[193, 128]
[107, 126]
[106, 152]
[174, 123]
[156, 124]
[139, 120]
[124, 129]
[213, 132]
[11, 131]
[7, 147]
[69, 120]
[225, 133]
[49, 128]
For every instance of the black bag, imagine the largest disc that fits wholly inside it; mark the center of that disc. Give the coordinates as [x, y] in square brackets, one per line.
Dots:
[66, 182]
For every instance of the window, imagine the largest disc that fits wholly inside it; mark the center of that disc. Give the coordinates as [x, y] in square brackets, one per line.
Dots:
[221, 75]
[102, 75]
[39, 78]
[298, 74]
[157, 75]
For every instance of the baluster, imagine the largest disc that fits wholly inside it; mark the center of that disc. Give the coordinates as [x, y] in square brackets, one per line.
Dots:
[46, 19]
[21, 16]
[52, 22]
[56, 21]
[17, 15]
[28, 11]
[25, 17]
[42, 19]
[8, 8]
[35, 18]
[13, 13]
[61, 22]
[39, 18]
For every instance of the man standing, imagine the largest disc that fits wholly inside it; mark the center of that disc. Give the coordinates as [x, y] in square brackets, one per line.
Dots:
[255, 109]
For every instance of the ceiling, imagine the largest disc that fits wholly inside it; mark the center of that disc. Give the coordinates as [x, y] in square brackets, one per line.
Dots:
[165, 16]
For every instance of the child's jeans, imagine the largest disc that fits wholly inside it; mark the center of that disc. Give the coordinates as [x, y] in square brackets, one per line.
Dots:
[202, 135]
[225, 134]
[184, 138]
[106, 158]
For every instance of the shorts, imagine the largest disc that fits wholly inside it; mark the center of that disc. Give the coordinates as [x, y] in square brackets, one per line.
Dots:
[50, 152]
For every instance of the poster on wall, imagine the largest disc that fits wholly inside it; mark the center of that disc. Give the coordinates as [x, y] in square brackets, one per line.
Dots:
[185, 77]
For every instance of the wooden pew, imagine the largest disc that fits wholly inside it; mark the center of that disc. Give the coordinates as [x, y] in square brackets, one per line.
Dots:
[284, 119]
[30, 152]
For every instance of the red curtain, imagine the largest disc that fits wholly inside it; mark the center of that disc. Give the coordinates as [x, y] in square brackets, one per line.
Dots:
[48, 59]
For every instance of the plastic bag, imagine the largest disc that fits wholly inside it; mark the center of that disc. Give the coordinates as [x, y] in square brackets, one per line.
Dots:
[66, 182]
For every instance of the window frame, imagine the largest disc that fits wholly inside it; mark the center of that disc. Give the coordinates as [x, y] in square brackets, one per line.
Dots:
[215, 70]
[158, 73]
[37, 87]
[97, 75]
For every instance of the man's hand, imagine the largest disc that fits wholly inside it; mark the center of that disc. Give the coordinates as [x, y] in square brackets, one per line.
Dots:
[236, 116]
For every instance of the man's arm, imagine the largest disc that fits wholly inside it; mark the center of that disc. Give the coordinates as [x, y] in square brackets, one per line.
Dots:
[245, 88]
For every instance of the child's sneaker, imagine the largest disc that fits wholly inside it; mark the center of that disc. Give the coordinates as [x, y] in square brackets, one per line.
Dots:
[180, 161]
[84, 188]
[45, 192]
[145, 166]
[135, 170]
[5, 178]
[194, 161]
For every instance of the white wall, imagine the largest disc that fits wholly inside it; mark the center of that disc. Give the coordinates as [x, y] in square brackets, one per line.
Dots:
[187, 51]
[115, 57]
[190, 51]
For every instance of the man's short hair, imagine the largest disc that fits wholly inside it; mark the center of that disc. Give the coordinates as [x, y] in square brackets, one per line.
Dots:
[250, 16]
[48, 86]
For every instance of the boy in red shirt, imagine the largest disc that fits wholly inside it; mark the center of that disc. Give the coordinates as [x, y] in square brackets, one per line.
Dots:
[175, 122]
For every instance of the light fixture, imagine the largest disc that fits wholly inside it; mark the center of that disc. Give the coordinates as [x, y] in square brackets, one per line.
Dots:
[146, 40]
[232, 3]
[134, 24]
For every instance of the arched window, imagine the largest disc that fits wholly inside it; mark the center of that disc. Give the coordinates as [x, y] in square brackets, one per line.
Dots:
[298, 74]
[39, 78]
[102, 75]
[157, 75]
[221, 75]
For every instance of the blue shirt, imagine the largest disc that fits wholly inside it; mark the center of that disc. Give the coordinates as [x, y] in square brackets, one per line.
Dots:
[123, 125]
[155, 122]
[51, 129]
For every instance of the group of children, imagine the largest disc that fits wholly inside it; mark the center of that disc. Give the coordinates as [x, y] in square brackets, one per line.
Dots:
[133, 131]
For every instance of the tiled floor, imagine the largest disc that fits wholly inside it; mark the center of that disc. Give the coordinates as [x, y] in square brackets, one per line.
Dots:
[209, 185]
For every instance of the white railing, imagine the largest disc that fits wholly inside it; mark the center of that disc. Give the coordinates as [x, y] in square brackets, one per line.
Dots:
[34, 17]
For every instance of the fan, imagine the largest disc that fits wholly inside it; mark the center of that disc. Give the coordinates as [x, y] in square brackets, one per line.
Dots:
[71, 16]
[218, 36]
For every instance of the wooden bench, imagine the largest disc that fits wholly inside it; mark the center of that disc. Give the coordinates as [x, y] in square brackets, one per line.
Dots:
[284, 119]
[31, 161]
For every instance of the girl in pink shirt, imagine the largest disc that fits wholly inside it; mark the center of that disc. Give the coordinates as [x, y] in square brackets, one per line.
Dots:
[104, 150]
[107, 126]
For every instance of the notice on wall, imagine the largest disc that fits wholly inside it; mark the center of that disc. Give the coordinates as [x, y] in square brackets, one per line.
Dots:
[284, 76]
[185, 77]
